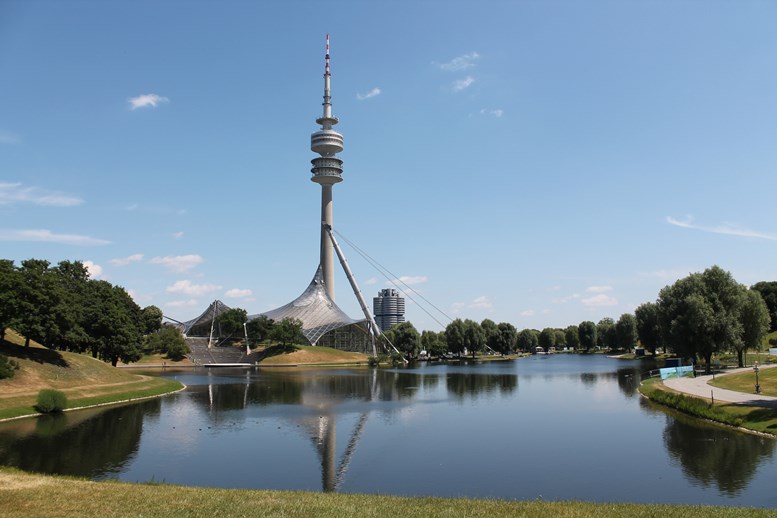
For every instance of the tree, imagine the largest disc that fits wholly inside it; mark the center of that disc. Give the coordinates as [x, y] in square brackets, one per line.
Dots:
[528, 340]
[113, 323]
[490, 332]
[474, 337]
[38, 298]
[561, 339]
[768, 291]
[648, 326]
[701, 314]
[548, 338]
[10, 284]
[434, 343]
[626, 332]
[507, 338]
[605, 333]
[288, 331]
[151, 319]
[572, 335]
[755, 322]
[454, 336]
[72, 280]
[406, 338]
[587, 333]
[230, 322]
[259, 329]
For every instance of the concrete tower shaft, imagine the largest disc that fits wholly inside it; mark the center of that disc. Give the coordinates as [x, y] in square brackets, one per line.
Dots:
[327, 170]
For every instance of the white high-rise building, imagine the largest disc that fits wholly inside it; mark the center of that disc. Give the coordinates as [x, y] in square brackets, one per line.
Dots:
[388, 308]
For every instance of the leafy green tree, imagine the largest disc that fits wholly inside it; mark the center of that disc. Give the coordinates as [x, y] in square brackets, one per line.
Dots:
[230, 322]
[113, 323]
[39, 296]
[434, 343]
[648, 326]
[548, 338]
[528, 340]
[605, 333]
[507, 339]
[72, 280]
[406, 339]
[768, 291]
[572, 335]
[490, 332]
[474, 337]
[561, 339]
[755, 322]
[454, 336]
[168, 340]
[10, 287]
[288, 331]
[701, 314]
[259, 329]
[626, 332]
[587, 333]
[151, 319]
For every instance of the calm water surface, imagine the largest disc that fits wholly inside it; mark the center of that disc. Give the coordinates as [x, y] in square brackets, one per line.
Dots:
[562, 427]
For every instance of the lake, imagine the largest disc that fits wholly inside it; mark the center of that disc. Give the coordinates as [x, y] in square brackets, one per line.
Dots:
[555, 427]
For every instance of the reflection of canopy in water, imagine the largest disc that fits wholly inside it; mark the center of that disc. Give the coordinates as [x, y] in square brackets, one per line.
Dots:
[318, 313]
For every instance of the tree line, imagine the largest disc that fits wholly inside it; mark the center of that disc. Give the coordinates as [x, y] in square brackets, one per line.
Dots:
[697, 316]
[60, 307]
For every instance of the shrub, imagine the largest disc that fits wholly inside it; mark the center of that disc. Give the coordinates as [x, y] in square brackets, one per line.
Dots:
[50, 400]
[7, 367]
[375, 361]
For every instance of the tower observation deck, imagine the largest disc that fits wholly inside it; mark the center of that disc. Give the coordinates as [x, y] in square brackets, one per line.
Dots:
[327, 170]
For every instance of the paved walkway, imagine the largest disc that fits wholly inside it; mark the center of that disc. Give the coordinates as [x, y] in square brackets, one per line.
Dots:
[698, 386]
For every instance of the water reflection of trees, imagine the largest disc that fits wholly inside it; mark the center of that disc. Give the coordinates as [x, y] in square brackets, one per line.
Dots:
[66, 444]
[471, 384]
[713, 455]
[627, 378]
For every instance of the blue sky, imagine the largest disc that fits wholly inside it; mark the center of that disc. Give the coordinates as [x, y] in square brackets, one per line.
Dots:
[539, 162]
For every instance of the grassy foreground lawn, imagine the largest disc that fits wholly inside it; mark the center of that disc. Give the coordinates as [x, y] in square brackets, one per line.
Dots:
[757, 419]
[24, 495]
[85, 380]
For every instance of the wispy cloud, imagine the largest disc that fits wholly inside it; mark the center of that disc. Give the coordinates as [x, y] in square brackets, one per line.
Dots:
[493, 113]
[598, 289]
[462, 62]
[186, 287]
[182, 303]
[178, 263]
[600, 300]
[177, 235]
[9, 138]
[95, 270]
[527, 313]
[236, 293]
[481, 302]
[11, 193]
[371, 281]
[462, 84]
[124, 261]
[372, 93]
[146, 100]
[728, 229]
[47, 236]
[410, 280]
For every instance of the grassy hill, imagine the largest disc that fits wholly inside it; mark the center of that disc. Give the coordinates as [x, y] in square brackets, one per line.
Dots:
[307, 355]
[85, 380]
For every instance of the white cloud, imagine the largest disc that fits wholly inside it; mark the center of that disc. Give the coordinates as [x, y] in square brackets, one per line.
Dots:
[126, 260]
[95, 270]
[143, 101]
[138, 298]
[456, 307]
[372, 93]
[494, 113]
[462, 62]
[186, 287]
[371, 281]
[236, 293]
[728, 229]
[481, 302]
[182, 303]
[11, 193]
[599, 301]
[527, 313]
[463, 84]
[665, 275]
[564, 300]
[409, 280]
[9, 138]
[177, 235]
[598, 289]
[50, 237]
[178, 263]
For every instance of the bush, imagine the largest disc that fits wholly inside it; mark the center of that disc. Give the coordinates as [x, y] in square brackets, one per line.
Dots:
[375, 361]
[7, 367]
[50, 400]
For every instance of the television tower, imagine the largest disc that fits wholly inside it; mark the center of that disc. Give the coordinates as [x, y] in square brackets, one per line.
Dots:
[327, 170]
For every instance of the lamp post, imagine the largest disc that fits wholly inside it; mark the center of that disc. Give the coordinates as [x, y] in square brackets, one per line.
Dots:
[757, 386]
[245, 332]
